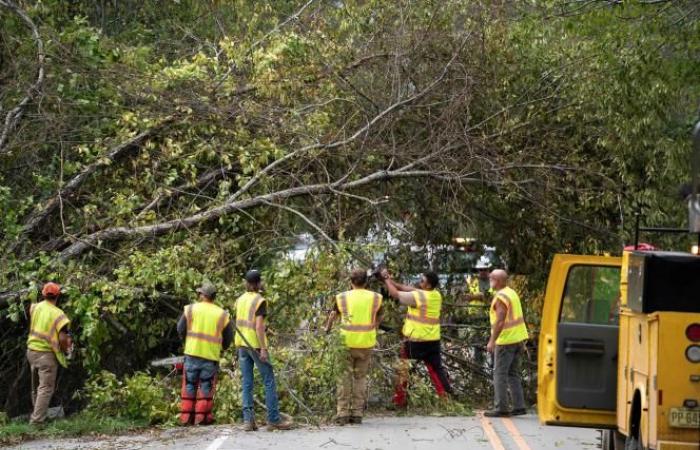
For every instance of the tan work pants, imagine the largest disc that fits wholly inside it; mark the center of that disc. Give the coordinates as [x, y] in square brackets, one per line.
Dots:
[352, 385]
[44, 367]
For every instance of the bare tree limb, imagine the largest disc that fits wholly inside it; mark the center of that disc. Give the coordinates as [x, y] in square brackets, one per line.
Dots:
[7, 296]
[15, 114]
[115, 153]
[362, 130]
[169, 195]
[307, 220]
[117, 234]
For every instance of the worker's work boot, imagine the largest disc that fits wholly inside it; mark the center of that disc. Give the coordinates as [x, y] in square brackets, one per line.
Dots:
[518, 412]
[250, 426]
[342, 420]
[355, 420]
[281, 425]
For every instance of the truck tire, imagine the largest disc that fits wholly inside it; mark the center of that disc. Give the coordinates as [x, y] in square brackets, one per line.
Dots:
[633, 443]
[612, 440]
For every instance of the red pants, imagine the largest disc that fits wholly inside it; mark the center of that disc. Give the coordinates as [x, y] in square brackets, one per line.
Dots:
[429, 353]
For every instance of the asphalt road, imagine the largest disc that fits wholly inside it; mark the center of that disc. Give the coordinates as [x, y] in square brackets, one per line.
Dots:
[377, 433]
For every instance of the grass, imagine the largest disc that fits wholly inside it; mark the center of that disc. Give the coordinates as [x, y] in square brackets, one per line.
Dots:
[78, 425]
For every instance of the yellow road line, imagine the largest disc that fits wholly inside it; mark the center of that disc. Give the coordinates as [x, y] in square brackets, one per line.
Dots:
[494, 440]
[515, 434]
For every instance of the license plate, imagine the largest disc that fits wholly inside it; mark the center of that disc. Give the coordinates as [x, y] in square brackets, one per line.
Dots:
[684, 418]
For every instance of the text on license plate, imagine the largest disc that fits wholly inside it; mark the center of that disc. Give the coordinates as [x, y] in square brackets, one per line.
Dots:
[684, 418]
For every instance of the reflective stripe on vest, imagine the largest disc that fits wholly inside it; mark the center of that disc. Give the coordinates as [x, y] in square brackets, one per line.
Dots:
[246, 307]
[358, 310]
[423, 321]
[205, 326]
[46, 320]
[514, 329]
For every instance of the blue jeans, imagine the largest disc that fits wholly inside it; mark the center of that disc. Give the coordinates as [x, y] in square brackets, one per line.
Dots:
[202, 370]
[247, 357]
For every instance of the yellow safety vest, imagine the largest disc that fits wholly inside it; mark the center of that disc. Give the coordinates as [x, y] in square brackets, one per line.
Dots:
[358, 310]
[514, 330]
[476, 306]
[205, 327]
[473, 284]
[246, 307]
[46, 320]
[423, 322]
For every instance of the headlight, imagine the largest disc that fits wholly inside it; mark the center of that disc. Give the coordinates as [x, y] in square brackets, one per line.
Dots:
[692, 353]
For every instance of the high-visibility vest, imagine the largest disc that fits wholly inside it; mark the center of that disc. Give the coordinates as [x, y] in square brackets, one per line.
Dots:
[46, 320]
[246, 307]
[476, 306]
[358, 310]
[514, 330]
[205, 328]
[423, 321]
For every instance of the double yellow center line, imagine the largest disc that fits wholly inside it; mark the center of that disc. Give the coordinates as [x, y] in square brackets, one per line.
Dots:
[493, 438]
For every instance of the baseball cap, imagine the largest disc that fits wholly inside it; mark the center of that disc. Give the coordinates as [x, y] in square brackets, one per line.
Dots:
[207, 289]
[253, 276]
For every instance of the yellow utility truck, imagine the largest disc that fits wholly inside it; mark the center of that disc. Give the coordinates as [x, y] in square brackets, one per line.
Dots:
[619, 346]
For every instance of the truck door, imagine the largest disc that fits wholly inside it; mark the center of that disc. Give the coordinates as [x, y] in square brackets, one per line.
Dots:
[578, 345]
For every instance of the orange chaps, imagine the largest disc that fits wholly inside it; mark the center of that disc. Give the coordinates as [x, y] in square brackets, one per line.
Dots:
[196, 409]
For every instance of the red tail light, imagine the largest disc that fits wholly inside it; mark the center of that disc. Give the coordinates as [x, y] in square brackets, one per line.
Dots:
[693, 332]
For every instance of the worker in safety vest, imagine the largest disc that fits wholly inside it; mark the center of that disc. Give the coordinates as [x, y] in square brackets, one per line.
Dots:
[360, 313]
[508, 335]
[48, 342]
[251, 341]
[207, 330]
[479, 289]
[421, 332]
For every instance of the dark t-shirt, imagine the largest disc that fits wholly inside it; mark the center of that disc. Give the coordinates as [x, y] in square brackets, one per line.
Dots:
[262, 309]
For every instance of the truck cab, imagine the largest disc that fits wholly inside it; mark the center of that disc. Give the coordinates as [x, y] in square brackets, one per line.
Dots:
[619, 348]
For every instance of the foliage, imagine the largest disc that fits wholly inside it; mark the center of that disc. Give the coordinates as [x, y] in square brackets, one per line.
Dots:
[139, 398]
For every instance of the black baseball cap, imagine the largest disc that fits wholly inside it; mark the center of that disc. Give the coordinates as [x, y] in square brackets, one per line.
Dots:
[253, 276]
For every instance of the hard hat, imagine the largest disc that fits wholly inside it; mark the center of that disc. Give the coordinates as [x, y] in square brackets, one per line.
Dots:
[51, 289]
[483, 263]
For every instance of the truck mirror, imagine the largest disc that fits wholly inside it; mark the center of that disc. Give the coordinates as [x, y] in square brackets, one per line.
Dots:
[694, 200]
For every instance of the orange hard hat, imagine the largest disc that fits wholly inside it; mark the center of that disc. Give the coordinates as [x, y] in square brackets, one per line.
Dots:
[51, 289]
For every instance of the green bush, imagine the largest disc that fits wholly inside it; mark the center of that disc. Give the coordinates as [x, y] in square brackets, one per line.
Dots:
[140, 397]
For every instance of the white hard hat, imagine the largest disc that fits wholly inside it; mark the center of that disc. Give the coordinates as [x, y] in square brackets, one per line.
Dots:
[483, 263]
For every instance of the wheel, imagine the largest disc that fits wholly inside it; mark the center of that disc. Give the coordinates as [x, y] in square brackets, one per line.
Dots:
[612, 440]
[632, 443]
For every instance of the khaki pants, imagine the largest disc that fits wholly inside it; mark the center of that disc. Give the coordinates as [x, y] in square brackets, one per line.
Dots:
[44, 367]
[352, 385]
